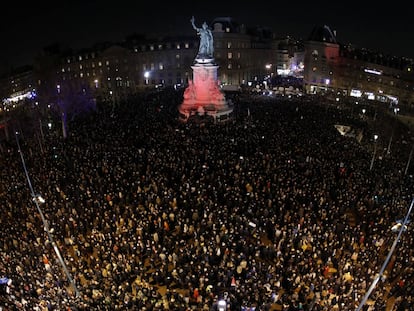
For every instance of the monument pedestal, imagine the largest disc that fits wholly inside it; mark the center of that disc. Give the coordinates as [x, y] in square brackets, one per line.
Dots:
[203, 95]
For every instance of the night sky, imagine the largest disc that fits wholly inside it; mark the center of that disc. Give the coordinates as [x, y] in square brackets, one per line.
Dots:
[28, 27]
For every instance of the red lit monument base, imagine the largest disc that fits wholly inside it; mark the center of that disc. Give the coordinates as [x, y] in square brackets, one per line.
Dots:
[203, 95]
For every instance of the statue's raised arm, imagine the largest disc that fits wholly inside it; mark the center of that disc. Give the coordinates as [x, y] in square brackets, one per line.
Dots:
[192, 20]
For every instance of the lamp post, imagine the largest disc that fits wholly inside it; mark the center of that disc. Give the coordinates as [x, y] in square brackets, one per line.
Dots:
[379, 276]
[268, 77]
[146, 76]
[375, 151]
[38, 199]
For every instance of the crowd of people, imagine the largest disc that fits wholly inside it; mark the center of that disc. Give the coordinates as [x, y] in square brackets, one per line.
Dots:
[273, 209]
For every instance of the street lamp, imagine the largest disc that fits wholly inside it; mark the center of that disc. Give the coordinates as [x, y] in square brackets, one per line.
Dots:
[146, 76]
[375, 151]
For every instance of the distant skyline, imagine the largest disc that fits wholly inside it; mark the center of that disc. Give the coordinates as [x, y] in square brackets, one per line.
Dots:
[27, 28]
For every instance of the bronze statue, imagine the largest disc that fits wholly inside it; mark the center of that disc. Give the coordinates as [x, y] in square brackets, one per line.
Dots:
[206, 48]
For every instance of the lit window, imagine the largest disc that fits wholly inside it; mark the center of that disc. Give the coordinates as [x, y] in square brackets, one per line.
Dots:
[107, 62]
[151, 47]
[99, 64]
[177, 56]
[160, 66]
[187, 45]
[178, 46]
[229, 66]
[80, 57]
[229, 45]
[229, 55]
[81, 75]
[159, 46]
[80, 67]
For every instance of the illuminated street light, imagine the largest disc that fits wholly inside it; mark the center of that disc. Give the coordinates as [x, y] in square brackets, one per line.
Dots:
[375, 151]
[146, 76]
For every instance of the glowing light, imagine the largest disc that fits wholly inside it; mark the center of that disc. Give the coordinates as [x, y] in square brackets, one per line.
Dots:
[356, 93]
[19, 97]
[283, 72]
[370, 95]
[39, 199]
[373, 71]
[221, 306]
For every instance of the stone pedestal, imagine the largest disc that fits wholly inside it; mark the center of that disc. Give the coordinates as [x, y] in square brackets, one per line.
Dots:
[203, 95]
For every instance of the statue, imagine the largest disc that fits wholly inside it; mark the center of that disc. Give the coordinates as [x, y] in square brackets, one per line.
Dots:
[206, 48]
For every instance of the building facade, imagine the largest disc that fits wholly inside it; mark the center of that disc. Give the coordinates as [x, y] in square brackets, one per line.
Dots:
[334, 68]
